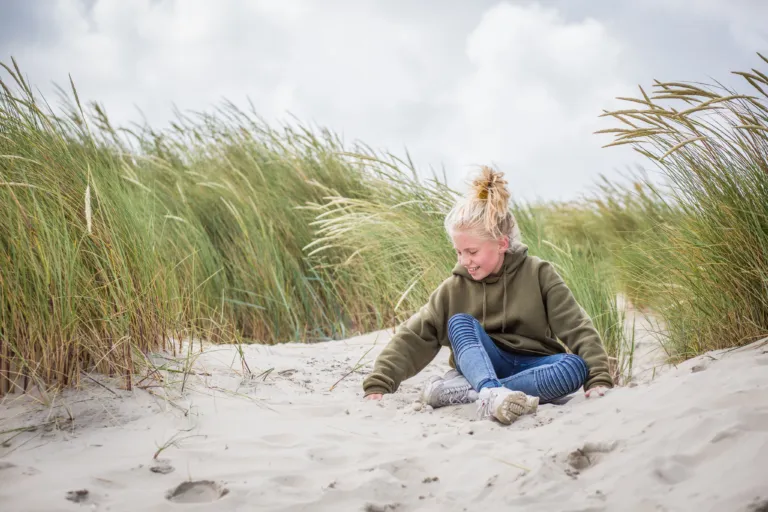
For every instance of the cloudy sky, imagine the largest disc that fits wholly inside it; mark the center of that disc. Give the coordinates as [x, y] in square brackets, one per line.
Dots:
[517, 84]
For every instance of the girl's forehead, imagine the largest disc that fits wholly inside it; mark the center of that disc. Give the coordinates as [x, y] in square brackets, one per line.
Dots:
[464, 239]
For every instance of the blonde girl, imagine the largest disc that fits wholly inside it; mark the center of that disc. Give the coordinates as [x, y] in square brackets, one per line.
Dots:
[501, 314]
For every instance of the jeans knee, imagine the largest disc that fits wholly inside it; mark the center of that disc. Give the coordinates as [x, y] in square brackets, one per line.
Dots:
[459, 318]
[576, 368]
[460, 323]
[562, 378]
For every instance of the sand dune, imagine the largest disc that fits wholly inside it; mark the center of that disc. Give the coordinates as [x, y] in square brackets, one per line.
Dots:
[690, 438]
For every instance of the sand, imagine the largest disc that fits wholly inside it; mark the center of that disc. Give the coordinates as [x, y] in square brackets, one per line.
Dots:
[687, 438]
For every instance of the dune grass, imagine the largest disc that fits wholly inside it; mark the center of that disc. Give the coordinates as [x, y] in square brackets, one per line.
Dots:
[117, 240]
[120, 241]
[704, 267]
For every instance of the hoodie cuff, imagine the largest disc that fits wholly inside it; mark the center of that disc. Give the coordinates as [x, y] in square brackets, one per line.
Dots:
[374, 390]
[596, 383]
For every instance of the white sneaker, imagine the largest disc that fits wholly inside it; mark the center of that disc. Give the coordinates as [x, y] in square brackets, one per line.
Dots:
[440, 392]
[504, 404]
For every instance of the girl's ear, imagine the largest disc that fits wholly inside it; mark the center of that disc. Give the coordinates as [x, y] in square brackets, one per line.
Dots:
[504, 244]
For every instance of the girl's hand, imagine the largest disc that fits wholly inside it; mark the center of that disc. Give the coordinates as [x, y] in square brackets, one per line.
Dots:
[596, 391]
[374, 396]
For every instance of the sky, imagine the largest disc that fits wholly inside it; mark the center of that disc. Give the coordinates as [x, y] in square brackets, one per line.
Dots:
[518, 85]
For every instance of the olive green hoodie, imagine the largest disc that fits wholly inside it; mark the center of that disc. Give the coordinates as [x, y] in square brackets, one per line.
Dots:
[523, 308]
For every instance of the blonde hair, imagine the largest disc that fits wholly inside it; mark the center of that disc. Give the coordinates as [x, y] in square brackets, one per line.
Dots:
[484, 211]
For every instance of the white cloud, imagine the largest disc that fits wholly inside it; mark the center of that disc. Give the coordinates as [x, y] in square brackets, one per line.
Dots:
[532, 100]
[457, 83]
[151, 54]
[744, 19]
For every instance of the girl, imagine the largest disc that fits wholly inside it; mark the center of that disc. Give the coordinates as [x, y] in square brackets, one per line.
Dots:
[500, 313]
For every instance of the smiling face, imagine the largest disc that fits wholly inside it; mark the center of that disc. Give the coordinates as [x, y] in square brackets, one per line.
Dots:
[479, 256]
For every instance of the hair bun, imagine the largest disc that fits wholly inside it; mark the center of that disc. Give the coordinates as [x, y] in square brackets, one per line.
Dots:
[491, 187]
[488, 180]
[484, 210]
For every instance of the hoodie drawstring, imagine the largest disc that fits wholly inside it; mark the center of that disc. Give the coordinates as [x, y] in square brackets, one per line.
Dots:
[483, 322]
[504, 301]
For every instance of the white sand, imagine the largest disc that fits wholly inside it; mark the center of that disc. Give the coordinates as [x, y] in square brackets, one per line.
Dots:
[679, 440]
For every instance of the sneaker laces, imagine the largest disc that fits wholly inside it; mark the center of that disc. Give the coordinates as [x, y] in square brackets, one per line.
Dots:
[453, 395]
[484, 407]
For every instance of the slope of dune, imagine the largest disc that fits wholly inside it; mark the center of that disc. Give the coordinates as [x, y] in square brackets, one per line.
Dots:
[295, 434]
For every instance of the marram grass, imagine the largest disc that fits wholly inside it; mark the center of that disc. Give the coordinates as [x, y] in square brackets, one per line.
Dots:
[120, 241]
[705, 269]
[117, 241]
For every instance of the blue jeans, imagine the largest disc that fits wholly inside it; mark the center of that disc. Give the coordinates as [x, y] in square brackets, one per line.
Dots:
[485, 365]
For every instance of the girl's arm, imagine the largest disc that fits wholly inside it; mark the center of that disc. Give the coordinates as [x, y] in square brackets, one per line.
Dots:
[571, 324]
[414, 346]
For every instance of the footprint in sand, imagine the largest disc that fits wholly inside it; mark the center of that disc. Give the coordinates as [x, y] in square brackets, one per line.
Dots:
[162, 466]
[586, 457]
[700, 367]
[670, 470]
[200, 491]
[79, 496]
[85, 497]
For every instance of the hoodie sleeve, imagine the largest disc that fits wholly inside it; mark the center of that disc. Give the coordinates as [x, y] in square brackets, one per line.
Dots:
[571, 324]
[413, 347]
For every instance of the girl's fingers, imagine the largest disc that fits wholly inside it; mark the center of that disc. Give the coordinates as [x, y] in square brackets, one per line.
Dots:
[599, 390]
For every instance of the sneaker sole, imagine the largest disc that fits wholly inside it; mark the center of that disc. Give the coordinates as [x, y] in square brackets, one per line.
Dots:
[516, 404]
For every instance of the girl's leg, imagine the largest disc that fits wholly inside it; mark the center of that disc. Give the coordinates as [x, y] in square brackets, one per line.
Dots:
[548, 377]
[476, 356]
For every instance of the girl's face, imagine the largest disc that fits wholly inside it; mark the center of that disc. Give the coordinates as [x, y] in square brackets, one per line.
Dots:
[479, 256]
